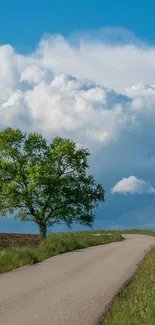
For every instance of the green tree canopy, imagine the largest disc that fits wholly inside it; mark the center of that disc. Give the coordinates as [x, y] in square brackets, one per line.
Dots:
[46, 183]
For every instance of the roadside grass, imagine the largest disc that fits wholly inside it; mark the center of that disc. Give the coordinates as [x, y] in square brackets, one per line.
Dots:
[135, 304]
[15, 256]
[127, 231]
[140, 232]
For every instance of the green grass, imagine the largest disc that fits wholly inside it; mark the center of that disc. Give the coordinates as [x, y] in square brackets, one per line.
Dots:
[140, 231]
[135, 304]
[127, 231]
[14, 257]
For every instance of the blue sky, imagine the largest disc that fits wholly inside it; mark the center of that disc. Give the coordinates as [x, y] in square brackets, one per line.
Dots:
[24, 22]
[86, 70]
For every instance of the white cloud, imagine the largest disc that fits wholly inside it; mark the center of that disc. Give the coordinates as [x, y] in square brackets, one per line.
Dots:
[115, 65]
[61, 89]
[70, 106]
[39, 92]
[133, 185]
[140, 90]
[33, 74]
[93, 89]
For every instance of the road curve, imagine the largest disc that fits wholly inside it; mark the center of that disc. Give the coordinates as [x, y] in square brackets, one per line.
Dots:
[73, 288]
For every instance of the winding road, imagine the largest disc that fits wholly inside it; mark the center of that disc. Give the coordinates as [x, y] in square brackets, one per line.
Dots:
[70, 289]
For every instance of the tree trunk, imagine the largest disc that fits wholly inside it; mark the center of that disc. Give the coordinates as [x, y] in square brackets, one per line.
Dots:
[43, 231]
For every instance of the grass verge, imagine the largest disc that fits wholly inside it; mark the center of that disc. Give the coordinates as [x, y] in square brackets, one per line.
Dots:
[127, 231]
[16, 256]
[135, 304]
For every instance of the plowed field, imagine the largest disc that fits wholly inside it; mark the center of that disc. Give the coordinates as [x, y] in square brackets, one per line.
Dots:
[7, 240]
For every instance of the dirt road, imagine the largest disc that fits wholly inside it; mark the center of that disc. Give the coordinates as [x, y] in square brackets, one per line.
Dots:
[70, 289]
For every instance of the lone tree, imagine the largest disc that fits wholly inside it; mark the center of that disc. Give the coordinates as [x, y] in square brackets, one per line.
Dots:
[46, 183]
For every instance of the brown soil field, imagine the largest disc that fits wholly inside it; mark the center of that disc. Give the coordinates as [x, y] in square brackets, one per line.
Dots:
[7, 240]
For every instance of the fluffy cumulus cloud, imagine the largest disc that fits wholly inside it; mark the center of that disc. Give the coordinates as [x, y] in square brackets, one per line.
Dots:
[68, 87]
[133, 185]
[93, 89]
[111, 57]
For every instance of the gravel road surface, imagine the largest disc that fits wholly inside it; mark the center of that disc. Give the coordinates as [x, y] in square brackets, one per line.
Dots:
[70, 289]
